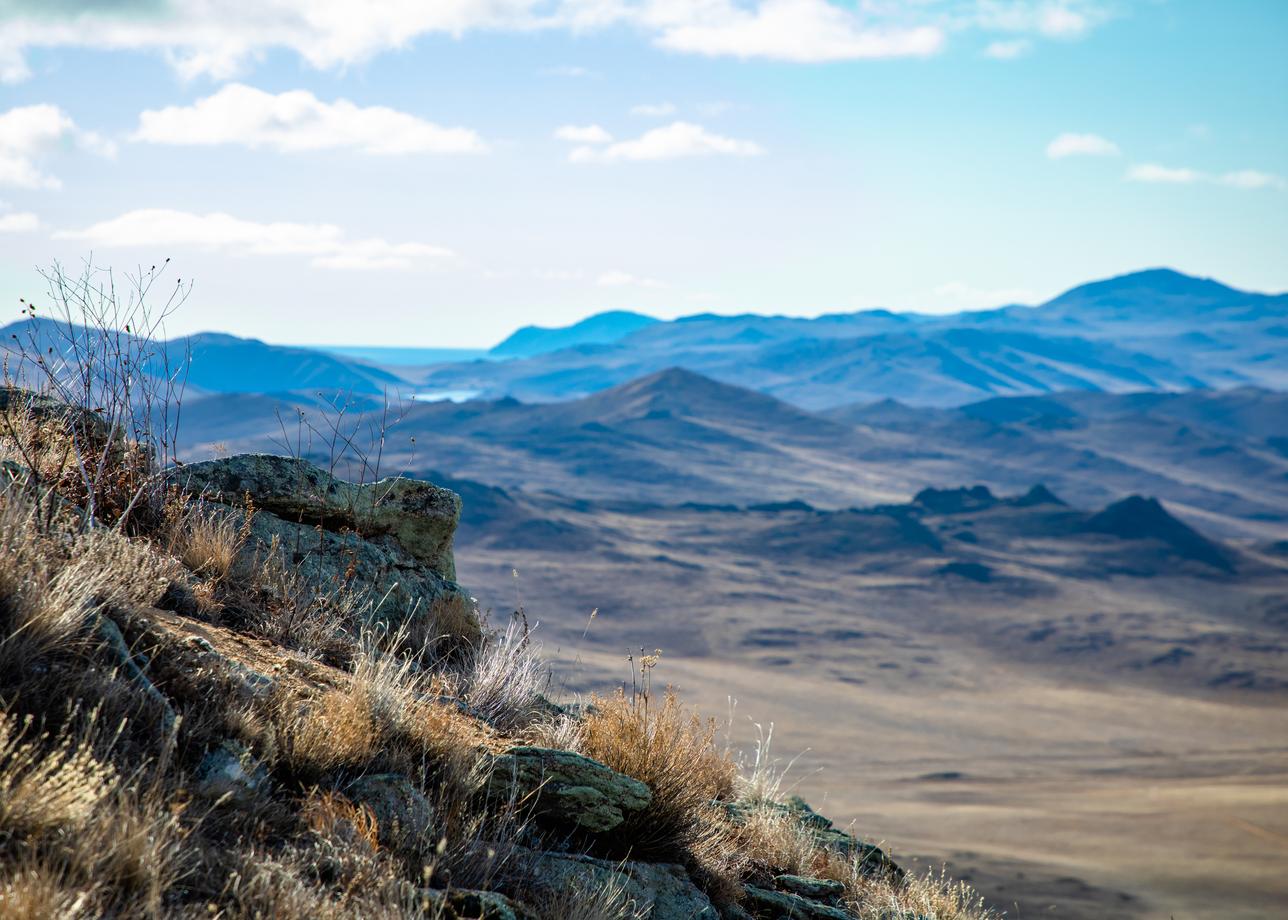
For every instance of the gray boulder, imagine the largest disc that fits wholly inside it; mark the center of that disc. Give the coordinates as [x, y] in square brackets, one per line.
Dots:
[404, 816]
[776, 904]
[657, 891]
[566, 789]
[391, 539]
[420, 517]
[816, 889]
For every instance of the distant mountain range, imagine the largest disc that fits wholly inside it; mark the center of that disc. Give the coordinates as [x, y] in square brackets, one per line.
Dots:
[1153, 330]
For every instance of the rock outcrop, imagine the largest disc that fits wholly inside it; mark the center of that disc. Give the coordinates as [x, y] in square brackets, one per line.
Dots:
[566, 789]
[391, 539]
[176, 694]
[1139, 518]
[403, 814]
[658, 891]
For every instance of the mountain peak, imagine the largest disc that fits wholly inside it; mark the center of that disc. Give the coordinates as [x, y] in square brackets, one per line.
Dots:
[599, 329]
[1152, 288]
[676, 392]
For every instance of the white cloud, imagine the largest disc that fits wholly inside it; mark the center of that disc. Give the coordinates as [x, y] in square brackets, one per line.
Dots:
[325, 244]
[19, 222]
[1008, 50]
[678, 139]
[625, 279]
[654, 110]
[1081, 145]
[1061, 19]
[29, 132]
[199, 37]
[1246, 179]
[202, 38]
[1152, 172]
[583, 134]
[298, 121]
[804, 31]
[222, 39]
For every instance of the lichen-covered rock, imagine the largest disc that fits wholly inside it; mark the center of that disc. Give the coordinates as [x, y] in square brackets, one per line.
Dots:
[816, 889]
[871, 858]
[230, 772]
[391, 539]
[403, 814]
[567, 789]
[658, 891]
[421, 517]
[774, 905]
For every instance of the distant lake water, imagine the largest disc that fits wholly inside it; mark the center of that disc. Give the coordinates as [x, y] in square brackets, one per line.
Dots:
[447, 396]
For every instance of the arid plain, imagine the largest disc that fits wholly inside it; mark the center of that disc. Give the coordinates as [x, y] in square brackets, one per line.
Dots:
[1057, 783]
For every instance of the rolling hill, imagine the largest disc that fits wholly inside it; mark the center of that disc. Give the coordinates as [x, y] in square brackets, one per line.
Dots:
[675, 436]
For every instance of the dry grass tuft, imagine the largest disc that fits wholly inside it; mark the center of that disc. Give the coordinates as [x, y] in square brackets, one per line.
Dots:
[608, 900]
[453, 625]
[80, 835]
[136, 844]
[504, 679]
[933, 896]
[48, 785]
[333, 731]
[264, 596]
[674, 752]
[206, 538]
[316, 881]
[33, 890]
[331, 815]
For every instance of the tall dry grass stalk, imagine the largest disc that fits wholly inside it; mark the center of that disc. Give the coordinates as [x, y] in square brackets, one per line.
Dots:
[505, 677]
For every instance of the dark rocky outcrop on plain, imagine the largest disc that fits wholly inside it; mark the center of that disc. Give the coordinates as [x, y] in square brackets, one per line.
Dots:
[1139, 518]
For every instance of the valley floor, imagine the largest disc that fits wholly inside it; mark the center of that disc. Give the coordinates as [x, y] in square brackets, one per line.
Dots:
[1067, 781]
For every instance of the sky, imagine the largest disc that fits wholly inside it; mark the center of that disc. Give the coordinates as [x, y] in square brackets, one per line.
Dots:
[436, 173]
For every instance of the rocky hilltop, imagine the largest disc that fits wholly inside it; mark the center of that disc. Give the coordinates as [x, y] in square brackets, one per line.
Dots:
[247, 688]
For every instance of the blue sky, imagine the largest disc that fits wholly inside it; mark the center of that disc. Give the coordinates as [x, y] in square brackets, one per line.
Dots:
[438, 173]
